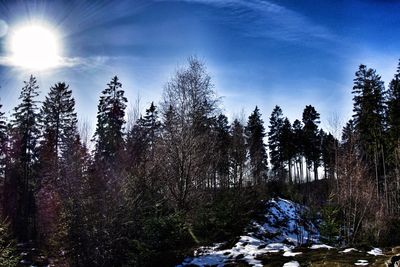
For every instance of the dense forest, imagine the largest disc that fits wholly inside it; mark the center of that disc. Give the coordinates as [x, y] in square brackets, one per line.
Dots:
[179, 175]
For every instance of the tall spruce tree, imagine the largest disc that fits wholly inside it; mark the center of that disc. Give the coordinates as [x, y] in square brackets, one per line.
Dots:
[274, 142]
[223, 143]
[298, 143]
[110, 120]
[238, 153]
[106, 180]
[287, 146]
[393, 112]
[369, 120]
[3, 145]
[255, 133]
[311, 140]
[59, 132]
[23, 177]
[150, 126]
[328, 153]
[59, 125]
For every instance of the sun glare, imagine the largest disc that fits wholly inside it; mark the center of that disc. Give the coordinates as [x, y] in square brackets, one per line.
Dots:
[34, 47]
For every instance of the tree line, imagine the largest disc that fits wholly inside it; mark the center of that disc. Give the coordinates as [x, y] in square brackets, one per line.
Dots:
[181, 174]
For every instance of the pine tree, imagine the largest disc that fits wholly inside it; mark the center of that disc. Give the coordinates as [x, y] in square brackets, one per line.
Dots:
[274, 141]
[393, 116]
[255, 133]
[110, 120]
[223, 143]
[106, 179]
[59, 126]
[298, 144]
[59, 131]
[3, 145]
[328, 153]
[141, 147]
[238, 153]
[349, 139]
[150, 125]
[23, 176]
[369, 119]
[312, 143]
[287, 146]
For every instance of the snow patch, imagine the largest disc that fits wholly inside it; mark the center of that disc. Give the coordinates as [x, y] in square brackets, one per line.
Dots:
[361, 263]
[375, 252]
[347, 250]
[320, 246]
[291, 264]
[291, 254]
[283, 227]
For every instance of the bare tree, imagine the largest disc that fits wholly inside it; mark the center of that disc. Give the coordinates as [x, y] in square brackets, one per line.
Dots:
[188, 105]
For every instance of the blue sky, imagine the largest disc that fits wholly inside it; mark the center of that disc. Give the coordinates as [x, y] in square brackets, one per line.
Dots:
[290, 53]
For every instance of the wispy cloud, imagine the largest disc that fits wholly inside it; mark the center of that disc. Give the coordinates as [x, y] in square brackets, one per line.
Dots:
[63, 62]
[258, 18]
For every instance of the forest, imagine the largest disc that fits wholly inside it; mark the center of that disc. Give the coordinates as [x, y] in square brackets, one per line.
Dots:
[146, 191]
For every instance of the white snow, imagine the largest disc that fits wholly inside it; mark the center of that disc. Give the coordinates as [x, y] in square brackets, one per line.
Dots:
[282, 228]
[291, 264]
[361, 263]
[319, 246]
[347, 250]
[291, 254]
[375, 252]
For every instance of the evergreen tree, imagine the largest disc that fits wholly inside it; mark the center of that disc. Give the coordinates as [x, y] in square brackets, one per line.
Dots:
[298, 144]
[393, 110]
[150, 126]
[328, 153]
[255, 133]
[59, 131]
[348, 135]
[141, 148]
[287, 146]
[369, 119]
[3, 145]
[23, 177]
[223, 144]
[59, 126]
[274, 141]
[312, 143]
[238, 153]
[110, 120]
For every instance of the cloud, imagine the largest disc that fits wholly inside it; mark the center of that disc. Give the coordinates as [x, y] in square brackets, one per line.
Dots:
[63, 62]
[257, 18]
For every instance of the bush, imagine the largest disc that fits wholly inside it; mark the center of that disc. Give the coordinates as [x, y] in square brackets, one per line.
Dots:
[8, 253]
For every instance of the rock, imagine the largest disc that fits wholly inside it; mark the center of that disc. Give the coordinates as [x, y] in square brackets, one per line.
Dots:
[240, 256]
[394, 261]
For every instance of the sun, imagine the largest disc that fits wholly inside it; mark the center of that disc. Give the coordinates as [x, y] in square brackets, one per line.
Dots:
[35, 47]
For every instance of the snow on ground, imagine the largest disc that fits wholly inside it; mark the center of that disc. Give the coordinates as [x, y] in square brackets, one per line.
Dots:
[319, 246]
[361, 263]
[285, 222]
[283, 227]
[375, 252]
[291, 254]
[291, 264]
[348, 250]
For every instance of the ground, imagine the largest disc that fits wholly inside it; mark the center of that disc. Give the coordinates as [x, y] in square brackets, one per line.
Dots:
[284, 236]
